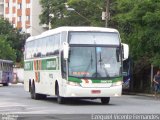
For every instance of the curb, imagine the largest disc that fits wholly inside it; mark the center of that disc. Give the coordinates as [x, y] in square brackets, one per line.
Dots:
[140, 94]
[16, 84]
[148, 95]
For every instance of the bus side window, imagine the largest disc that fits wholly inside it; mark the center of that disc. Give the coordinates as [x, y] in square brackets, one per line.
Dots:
[47, 46]
[6, 67]
[39, 54]
[52, 40]
[34, 50]
[56, 45]
[43, 47]
[2, 66]
[63, 37]
[31, 51]
[27, 50]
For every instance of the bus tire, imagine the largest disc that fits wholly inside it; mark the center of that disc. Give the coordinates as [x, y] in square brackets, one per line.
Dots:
[60, 99]
[33, 93]
[30, 86]
[105, 100]
[5, 84]
[42, 96]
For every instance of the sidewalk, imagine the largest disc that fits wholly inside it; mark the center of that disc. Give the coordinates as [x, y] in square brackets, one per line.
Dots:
[12, 84]
[140, 94]
[16, 84]
[145, 94]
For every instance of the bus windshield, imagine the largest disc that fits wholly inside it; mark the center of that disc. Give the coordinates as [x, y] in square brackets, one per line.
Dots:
[94, 62]
[103, 38]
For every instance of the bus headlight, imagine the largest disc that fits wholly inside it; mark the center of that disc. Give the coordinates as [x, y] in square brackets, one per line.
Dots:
[73, 83]
[117, 83]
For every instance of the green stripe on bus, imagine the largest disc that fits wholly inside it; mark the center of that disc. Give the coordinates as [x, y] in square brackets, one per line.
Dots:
[108, 80]
[28, 65]
[50, 64]
[117, 79]
[44, 64]
[73, 79]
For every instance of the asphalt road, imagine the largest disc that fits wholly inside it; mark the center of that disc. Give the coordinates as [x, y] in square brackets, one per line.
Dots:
[14, 100]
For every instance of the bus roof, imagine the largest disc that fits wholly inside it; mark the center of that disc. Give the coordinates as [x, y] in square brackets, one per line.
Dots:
[67, 28]
[6, 61]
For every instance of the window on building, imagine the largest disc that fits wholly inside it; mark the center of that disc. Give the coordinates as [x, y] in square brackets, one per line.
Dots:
[28, 18]
[20, 6]
[14, 25]
[19, 18]
[28, 5]
[13, 9]
[7, 4]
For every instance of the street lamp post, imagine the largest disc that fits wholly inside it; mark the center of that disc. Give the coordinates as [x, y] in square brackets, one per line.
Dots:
[48, 19]
[107, 13]
[72, 9]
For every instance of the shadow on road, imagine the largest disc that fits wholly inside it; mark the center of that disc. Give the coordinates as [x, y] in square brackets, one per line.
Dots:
[76, 102]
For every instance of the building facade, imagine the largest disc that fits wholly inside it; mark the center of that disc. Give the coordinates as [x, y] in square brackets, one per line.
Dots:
[1, 8]
[24, 15]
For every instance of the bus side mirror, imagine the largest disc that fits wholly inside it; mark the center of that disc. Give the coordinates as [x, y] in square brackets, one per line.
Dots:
[65, 50]
[125, 51]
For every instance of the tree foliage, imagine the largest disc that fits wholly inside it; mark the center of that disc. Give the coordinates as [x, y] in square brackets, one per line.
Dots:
[11, 42]
[6, 51]
[86, 13]
[138, 22]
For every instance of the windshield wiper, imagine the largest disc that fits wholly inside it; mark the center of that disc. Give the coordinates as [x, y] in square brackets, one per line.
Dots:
[101, 65]
[91, 59]
[90, 64]
[117, 54]
[100, 59]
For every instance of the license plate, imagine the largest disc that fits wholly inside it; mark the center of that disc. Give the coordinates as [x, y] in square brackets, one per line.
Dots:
[95, 91]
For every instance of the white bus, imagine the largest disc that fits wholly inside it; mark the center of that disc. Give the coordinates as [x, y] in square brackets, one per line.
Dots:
[6, 71]
[74, 62]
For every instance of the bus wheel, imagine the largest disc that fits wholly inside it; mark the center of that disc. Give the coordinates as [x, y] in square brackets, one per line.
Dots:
[105, 100]
[60, 99]
[5, 84]
[34, 95]
[42, 96]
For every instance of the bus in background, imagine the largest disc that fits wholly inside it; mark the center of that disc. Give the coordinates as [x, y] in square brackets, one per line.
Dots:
[6, 72]
[126, 75]
[75, 62]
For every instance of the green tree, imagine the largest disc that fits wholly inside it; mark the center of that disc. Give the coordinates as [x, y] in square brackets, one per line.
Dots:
[6, 51]
[87, 8]
[13, 39]
[138, 23]
[55, 12]
[51, 8]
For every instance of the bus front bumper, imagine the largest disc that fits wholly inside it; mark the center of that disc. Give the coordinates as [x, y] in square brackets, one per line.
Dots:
[77, 91]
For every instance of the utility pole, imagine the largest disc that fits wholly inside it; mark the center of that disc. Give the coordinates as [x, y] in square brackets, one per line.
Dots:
[48, 14]
[151, 77]
[107, 15]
